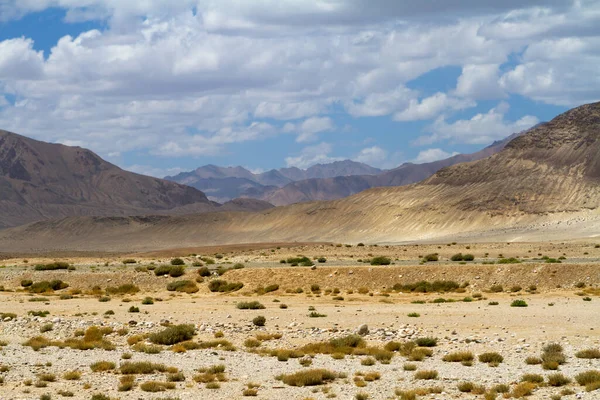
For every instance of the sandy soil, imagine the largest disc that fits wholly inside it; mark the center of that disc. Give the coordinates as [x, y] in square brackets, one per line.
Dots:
[553, 315]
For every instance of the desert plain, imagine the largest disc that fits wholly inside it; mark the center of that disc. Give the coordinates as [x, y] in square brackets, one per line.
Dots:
[519, 320]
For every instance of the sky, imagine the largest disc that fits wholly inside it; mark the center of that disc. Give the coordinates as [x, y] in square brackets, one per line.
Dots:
[161, 86]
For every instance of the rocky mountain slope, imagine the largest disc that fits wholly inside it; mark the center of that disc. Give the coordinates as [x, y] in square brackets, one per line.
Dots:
[41, 180]
[543, 185]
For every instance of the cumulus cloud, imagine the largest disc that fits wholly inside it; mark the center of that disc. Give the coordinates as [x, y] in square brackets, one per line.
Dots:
[480, 129]
[431, 107]
[308, 129]
[431, 155]
[191, 77]
[311, 155]
[374, 156]
[479, 82]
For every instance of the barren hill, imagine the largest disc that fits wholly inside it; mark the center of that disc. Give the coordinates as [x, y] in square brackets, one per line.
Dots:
[543, 185]
[40, 180]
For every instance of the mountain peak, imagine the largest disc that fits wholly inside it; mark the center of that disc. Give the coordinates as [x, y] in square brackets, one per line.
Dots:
[40, 180]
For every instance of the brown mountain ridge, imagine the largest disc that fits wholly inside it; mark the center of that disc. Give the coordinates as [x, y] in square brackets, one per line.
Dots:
[544, 185]
[40, 180]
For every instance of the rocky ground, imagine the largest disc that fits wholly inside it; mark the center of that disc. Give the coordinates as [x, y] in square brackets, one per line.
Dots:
[467, 321]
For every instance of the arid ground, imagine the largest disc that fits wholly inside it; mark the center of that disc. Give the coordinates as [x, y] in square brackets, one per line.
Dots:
[98, 326]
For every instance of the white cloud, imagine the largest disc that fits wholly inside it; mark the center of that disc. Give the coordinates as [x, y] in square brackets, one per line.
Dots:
[18, 60]
[190, 77]
[558, 71]
[431, 155]
[154, 171]
[479, 82]
[311, 155]
[373, 156]
[431, 107]
[309, 128]
[480, 129]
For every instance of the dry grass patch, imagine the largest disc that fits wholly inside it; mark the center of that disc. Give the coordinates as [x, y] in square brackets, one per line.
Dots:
[426, 375]
[102, 366]
[311, 377]
[144, 368]
[154, 386]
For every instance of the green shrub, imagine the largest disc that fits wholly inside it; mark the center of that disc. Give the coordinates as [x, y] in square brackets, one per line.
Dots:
[204, 272]
[162, 270]
[250, 305]
[52, 266]
[381, 261]
[177, 271]
[259, 320]
[26, 282]
[224, 286]
[428, 287]
[511, 260]
[431, 257]
[457, 257]
[129, 261]
[172, 335]
[322, 260]
[426, 342]
[177, 261]
[518, 303]
[183, 286]
[496, 289]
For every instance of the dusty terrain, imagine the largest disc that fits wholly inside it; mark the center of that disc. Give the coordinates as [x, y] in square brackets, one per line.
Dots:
[349, 294]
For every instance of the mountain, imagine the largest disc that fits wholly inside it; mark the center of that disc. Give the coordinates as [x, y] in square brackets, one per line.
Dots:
[544, 185]
[226, 183]
[41, 180]
[344, 186]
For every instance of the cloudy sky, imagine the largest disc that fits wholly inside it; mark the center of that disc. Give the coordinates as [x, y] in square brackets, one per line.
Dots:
[159, 86]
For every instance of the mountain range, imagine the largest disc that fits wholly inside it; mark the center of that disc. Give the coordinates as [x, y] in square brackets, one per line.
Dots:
[40, 180]
[226, 183]
[320, 182]
[543, 185]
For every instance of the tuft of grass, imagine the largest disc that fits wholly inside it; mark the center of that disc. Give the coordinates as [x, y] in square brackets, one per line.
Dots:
[459, 356]
[426, 342]
[310, 377]
[532, 378]
[491, 358]
[588, 377]
[72, 375]
[141, 367]
[588, 354]
[558, 380]
[154, 386]
[426, 375]
[102, 366]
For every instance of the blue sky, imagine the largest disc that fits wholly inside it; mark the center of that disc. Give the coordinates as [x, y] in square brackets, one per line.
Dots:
[158, 87]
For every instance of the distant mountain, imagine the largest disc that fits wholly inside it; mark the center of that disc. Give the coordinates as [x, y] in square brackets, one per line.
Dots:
[343, 186]
[226, 183]
[41, 180]
[544, 185]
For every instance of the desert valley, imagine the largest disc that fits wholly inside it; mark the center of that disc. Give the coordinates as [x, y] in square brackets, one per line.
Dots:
[299, 200]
